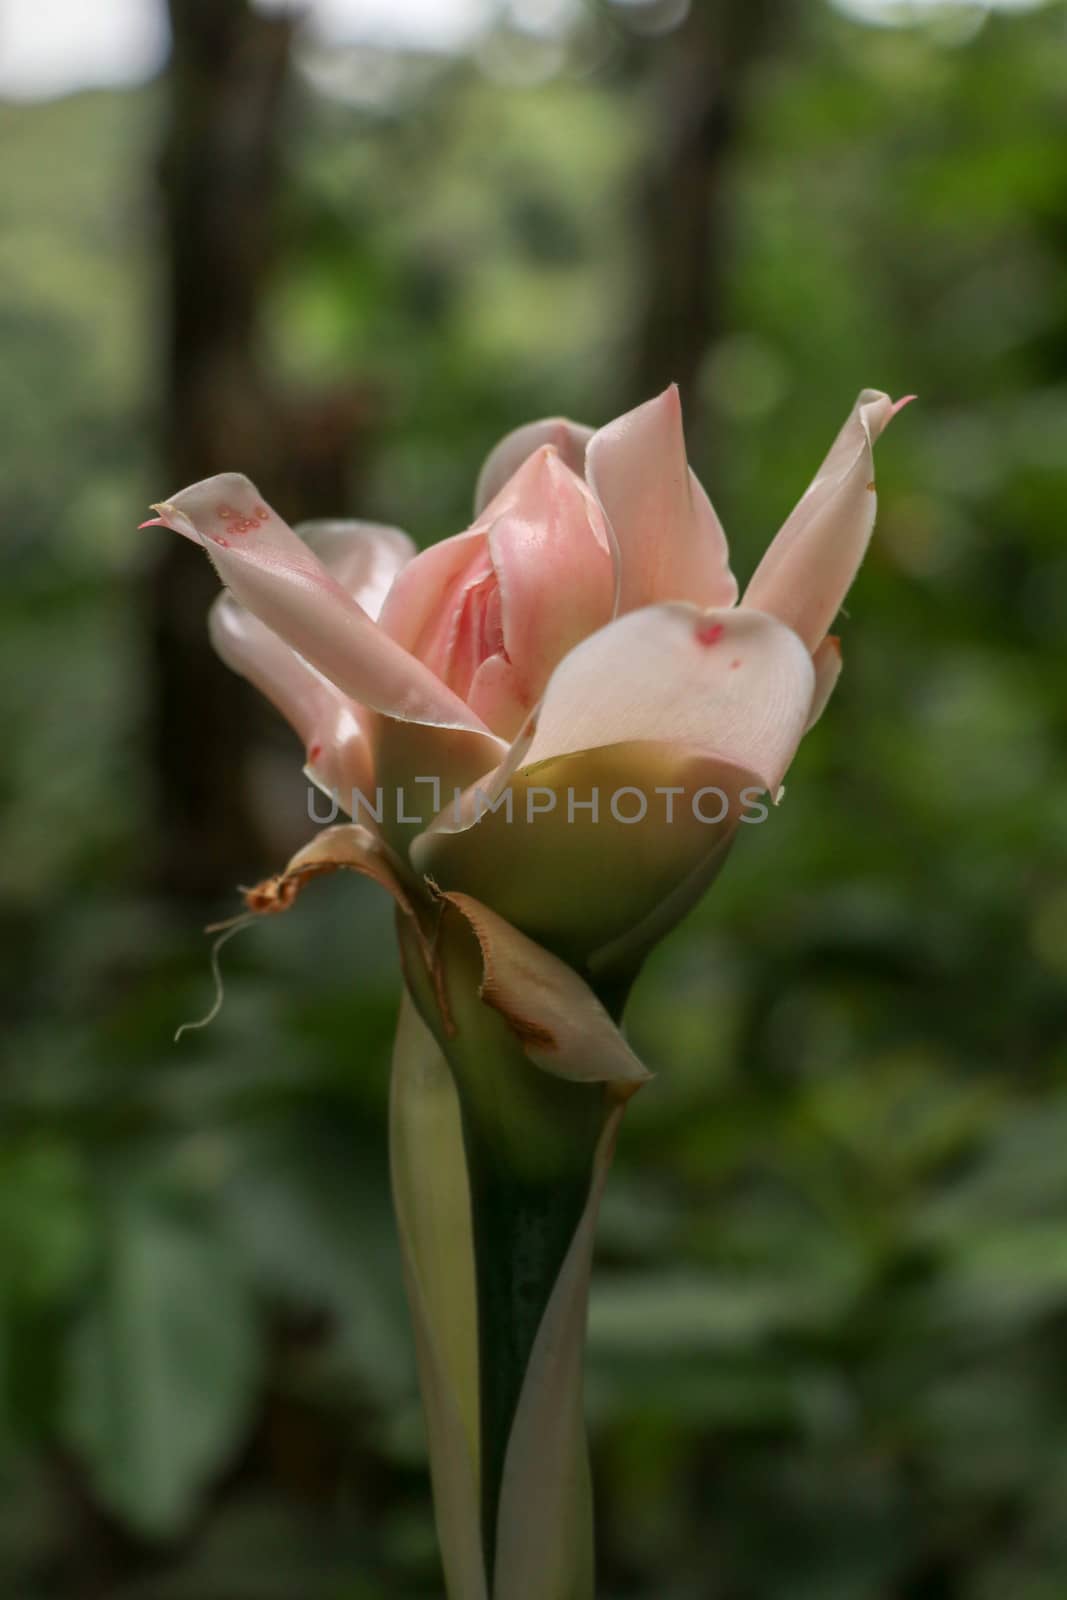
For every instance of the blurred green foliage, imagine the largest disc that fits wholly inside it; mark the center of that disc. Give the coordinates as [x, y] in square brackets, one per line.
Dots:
[828, 1332]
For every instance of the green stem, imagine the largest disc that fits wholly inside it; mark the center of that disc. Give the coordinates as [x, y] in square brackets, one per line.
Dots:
[531, 1141]
[523, 1228]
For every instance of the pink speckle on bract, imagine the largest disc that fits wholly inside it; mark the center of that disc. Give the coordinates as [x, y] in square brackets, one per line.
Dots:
[262, 513]
[710, 632]
[314, 752]
[735, 663]
[224, 512]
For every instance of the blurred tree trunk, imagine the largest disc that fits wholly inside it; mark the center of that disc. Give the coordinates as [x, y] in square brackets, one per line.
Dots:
[701, 81]
[220, 173]
[219, 177]
[220, 184]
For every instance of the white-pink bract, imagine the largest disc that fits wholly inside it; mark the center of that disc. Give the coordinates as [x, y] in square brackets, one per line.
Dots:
[585, 628]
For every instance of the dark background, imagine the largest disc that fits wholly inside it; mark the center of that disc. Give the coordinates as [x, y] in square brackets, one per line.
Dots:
[829, 1328]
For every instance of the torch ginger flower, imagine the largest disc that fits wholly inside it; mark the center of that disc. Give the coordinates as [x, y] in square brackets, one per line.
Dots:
[582, 642]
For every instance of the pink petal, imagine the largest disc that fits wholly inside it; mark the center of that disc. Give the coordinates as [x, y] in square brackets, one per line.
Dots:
[808, 569]
[338, 754]
[552, 553]
[734, 684]
[498, 695]
[420, 607]
[669, 698]
[225, 510]
[493, 610]
[671, 543]
[250, 648]
[569, 439]
[364, 557]
[827, 661]
[276, 577]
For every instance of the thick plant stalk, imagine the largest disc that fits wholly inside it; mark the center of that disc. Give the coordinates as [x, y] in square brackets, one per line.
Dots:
[526, 1216]
[545, 1526]
[537, 1144]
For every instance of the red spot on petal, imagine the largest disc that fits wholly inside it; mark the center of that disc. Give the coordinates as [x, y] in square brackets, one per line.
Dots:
[710, 632]
[314, 752]
[735, 664]
[224, 542]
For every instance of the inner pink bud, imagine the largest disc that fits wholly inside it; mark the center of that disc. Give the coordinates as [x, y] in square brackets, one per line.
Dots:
[467, 628]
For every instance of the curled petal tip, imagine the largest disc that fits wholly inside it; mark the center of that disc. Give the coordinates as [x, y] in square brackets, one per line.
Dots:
[807, 571]
[898, 405]
[163, 510]
[541, 460]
